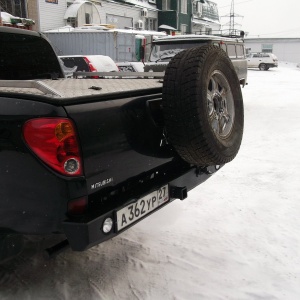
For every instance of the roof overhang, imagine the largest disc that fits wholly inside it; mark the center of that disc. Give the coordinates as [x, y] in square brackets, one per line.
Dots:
[167, 27]
[73, 9]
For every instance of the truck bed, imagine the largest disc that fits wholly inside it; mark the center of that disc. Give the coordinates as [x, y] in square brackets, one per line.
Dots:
[71, 87]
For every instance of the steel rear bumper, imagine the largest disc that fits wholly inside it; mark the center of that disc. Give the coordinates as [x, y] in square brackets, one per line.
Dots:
[82, 235]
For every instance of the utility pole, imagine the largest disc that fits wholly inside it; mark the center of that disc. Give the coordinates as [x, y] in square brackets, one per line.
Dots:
[232, 24]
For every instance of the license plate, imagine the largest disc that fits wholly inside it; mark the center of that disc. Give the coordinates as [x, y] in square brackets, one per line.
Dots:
[140, 208]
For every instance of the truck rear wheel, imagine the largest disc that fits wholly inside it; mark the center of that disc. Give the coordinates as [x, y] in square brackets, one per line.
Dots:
[203, 106]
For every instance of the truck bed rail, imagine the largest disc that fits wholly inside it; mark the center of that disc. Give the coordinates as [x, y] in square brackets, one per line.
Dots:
[121, 74]
[30, 84]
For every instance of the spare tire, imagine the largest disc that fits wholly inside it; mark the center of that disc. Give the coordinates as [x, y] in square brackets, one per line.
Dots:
[203, 106]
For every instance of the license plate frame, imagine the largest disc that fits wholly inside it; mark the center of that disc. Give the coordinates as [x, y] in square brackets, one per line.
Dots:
[142, 207]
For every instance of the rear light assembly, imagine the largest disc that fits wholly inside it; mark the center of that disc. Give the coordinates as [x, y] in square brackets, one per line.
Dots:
[78, 206]
[91, 67]
[55, 142]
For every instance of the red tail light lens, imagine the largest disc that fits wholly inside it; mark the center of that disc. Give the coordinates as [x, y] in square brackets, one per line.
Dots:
[91, 67]
[78, 206]
[55, 142]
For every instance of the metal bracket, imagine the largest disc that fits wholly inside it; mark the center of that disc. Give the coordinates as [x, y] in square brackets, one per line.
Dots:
[178, 192]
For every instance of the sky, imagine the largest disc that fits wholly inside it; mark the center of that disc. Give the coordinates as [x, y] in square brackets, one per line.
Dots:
[264, 18]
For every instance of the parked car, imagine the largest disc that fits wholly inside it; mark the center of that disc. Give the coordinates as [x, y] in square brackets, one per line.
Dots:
[90, 63]
[263, 61]
[130, 66]
[165, 48]
[67, 71]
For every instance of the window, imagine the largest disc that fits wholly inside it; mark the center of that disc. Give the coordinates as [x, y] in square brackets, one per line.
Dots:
[231, 50]
[87, 18]
[183, 28]
[184, 6]
[267, 48]
[210, 10]
[240, 51]
[166, 5]
[199, 8]
[150, 24]
[208, 30]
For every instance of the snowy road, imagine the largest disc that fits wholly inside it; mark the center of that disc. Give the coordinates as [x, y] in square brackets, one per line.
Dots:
[237, 236]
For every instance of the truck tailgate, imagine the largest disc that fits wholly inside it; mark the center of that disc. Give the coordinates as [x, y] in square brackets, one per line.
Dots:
[122, 136]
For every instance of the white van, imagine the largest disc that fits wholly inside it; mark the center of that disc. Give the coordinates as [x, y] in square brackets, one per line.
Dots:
[263, 61]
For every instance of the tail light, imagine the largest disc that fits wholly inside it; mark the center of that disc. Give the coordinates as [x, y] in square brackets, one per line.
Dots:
[91, 67]
[77, 206]
[55, 142]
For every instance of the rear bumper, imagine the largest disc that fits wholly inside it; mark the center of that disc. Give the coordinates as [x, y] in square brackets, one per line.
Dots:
[87, 232]
[273, 65]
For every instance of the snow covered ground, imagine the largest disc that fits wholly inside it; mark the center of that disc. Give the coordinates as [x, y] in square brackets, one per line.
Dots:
[237, 236]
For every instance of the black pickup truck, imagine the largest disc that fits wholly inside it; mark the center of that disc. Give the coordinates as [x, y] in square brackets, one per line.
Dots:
[89, 158]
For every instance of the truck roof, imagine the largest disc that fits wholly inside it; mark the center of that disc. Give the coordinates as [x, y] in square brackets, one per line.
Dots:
[6, 29]
[198, 37]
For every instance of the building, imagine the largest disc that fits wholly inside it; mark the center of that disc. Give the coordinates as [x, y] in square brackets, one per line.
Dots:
[13, 13]
[193, 16]
[205, 17]
[14, 7]
[51, 14]
[286, 49]
[183, 16]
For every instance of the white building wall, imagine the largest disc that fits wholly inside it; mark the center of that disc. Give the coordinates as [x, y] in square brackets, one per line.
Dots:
[286, 49]
[116, 9]
[201, 27]
[51, 15]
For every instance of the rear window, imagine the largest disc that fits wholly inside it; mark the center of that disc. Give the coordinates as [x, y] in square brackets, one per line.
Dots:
[24, 57]
[166, 50]
[79, 62]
